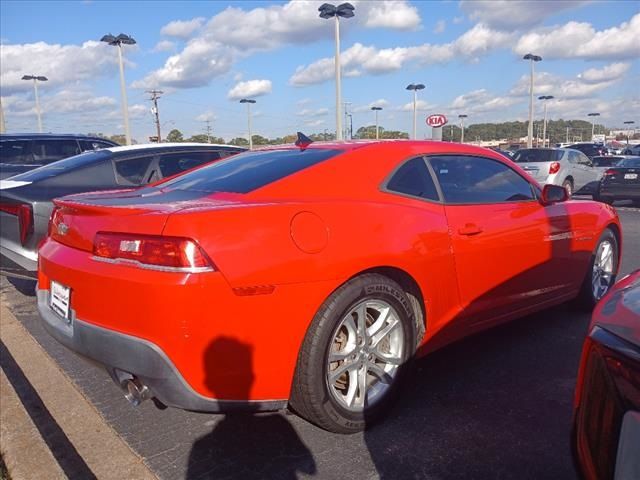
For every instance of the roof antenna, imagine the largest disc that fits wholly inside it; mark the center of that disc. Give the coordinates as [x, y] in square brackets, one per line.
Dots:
[303, 141]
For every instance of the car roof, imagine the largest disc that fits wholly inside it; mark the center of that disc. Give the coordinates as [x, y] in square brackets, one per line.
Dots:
[43, 136]
[170, 146]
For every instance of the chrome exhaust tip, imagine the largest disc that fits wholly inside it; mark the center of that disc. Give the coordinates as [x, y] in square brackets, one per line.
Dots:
[136, 392]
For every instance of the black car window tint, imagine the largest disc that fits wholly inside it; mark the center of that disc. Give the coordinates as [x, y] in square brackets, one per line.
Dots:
[15, 152]
[629, 163]
[249, 171]
[133, 170]
[174, 163]
[46, 151]
[479, 180]
[413, 178]
[527, 155]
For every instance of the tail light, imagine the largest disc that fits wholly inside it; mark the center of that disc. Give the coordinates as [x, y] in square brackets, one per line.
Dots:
[611, 172]
[24, 212]
[554, 167]
[174, 254]
[53, 220]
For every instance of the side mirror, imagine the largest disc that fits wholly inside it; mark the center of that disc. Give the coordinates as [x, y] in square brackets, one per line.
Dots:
[554, 194]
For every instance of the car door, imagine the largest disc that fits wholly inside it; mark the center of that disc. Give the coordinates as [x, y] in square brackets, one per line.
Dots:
[510, 251]
[590, 174]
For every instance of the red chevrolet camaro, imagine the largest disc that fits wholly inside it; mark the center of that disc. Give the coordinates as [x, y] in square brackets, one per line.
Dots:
[309, 276]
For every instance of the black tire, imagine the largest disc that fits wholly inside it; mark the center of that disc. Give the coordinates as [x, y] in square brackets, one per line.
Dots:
[586, 299]
[310, 396]
[568, 186]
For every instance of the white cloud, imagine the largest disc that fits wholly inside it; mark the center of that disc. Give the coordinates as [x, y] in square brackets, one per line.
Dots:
[249, 89]
[61, 64]
[315, 123]
[440, 27]
[306, 112]
[421, 106]
[607, 73]
[381, 102]
[138, 110]
[164, 46]
[206, 116]
[368, 59]
[481, 101]
[182, 28]
[514, 14]
[457, 20]
[397, 14]
[582, 40]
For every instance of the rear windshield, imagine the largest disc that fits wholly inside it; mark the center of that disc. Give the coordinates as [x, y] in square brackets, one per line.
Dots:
[605, 161]
[64, 165]
[629, 163]
[248, 171]
[527, 155]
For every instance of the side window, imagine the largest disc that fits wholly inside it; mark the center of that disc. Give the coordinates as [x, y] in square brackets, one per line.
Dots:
[584, 160]
[93, 145]
[15, 152]
[133, 170]
[47, 151]
[574, 157]
[479, 180]
[174, 163]
[413, 178]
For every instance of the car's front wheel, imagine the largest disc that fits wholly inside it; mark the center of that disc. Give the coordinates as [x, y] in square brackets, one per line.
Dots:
[354, 355]
[568, 186]
[602, 270]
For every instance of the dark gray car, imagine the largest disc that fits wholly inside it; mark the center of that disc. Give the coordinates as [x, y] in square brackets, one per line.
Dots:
[26, 199]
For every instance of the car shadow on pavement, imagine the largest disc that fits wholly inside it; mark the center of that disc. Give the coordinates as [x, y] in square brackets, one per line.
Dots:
[242, 445]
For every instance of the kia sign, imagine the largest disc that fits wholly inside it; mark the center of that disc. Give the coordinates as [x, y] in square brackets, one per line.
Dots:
[437, 120]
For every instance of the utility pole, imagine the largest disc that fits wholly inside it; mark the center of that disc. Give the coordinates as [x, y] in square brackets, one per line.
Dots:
[346, 115]
[567, 138]
[208, 122]
[3, 127]
[155, 95]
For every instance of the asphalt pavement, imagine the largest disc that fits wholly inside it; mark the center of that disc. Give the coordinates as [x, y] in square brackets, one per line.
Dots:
[496, 405]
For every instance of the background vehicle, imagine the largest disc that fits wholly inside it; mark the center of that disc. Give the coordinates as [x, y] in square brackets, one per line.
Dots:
[26, 199]
[606, 420]
[590, 149]
[559, 166]
[23, 152]
[621, 182]
[632, 150]
[189, 285]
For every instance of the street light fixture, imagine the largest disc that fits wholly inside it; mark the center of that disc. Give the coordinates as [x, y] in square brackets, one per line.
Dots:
[377, 109]
[593, 124]
[462, 117]
[415, 87]
[344, 10]
[532, 59]
[36, 79]
[544, 125]
[118, 41]
[249, 101]
[628, 122]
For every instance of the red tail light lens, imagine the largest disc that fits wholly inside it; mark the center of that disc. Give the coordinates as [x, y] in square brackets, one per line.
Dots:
[554, 167]
[611, 172]
[25, 218]
[151, 251]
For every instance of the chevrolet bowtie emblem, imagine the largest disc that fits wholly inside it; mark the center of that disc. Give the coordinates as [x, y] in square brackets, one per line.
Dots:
[63, 228]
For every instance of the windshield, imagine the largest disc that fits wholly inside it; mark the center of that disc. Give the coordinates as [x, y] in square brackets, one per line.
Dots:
[527, 155]
[605, 161]
[248, 171]
[62, 166]
[629, 163]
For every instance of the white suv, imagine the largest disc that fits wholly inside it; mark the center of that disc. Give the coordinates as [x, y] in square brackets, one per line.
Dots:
[559, 166]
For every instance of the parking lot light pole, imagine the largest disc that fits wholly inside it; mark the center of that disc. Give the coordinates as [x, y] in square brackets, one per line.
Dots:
[415, 87]
[544, 98]
[249, 101]
[629, 122]
[118, 41]
[3, 128]
[36, 79]
[344, 10]
[462, 117]
[532, 59]
[593, 122]
[377, 109]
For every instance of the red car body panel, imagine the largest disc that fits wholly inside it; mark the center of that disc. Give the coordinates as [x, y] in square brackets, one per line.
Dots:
[298, 239]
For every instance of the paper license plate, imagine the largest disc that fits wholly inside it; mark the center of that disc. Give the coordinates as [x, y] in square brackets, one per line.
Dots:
[59, 299]
[630, 176]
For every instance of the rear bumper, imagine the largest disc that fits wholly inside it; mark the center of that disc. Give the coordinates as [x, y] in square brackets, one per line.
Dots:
[622, 193]
[120, 353]
[16, 265]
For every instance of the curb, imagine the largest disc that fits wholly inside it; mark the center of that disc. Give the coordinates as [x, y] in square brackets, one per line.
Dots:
[48, 429]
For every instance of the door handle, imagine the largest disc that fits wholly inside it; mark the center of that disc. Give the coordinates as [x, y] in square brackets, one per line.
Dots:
[470, 229]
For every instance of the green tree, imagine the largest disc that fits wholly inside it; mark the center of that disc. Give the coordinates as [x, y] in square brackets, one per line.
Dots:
[175, 135]
[240, 142]
[259, 140]
[119, 139]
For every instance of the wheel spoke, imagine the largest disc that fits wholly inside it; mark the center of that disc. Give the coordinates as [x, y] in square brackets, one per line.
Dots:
[337, 373]
[353, 387]
[362, 386]
[379, 372]
[380, 321]
[375, 340]
[387, 358]
[339, 355]
[362, 320]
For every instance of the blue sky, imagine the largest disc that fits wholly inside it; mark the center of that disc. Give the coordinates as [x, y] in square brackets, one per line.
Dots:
[207, 55]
